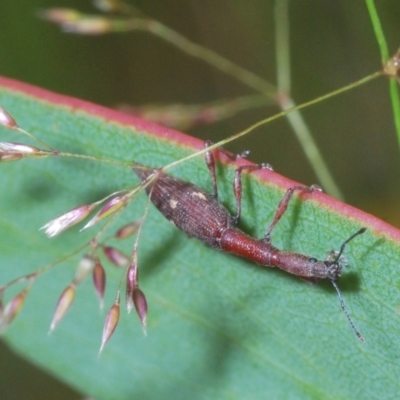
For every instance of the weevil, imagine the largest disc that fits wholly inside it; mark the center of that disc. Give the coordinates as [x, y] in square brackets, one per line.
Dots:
[200, 215]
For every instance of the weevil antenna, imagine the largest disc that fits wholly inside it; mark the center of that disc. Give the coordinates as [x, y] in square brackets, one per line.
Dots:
[362, 230]
[346, 313]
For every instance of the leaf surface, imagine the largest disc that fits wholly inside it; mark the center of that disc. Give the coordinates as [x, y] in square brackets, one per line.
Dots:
[218, 326]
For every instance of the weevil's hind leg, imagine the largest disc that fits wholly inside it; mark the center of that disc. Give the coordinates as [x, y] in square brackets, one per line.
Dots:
[283, 205]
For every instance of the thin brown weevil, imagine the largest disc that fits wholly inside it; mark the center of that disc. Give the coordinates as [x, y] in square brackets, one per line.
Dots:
[200, 215]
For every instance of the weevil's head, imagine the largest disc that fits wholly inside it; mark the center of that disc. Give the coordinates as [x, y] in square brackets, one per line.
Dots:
[335, 263]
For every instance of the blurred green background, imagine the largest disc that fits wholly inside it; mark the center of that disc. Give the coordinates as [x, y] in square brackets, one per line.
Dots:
[332, 45]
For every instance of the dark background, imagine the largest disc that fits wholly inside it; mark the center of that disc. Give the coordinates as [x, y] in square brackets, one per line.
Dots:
[332, 45]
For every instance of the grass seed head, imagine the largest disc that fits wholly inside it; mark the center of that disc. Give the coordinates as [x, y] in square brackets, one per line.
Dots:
[114, 205]
[111, 322]
[99, 281]
[127, 230]
[115, 256]
[65, 221]
[7, 120]
[12, 309]
[139, 299]
[64, 303]
[85, 267]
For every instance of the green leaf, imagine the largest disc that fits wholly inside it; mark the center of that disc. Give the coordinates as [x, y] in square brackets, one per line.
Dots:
[218, 326]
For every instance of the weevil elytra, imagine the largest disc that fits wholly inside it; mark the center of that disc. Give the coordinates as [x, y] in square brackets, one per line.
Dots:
[200, 215]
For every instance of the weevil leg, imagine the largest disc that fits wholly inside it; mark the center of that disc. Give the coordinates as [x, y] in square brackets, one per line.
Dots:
[237, 186]
[210, 161]
[237, 183]
[283, 205]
